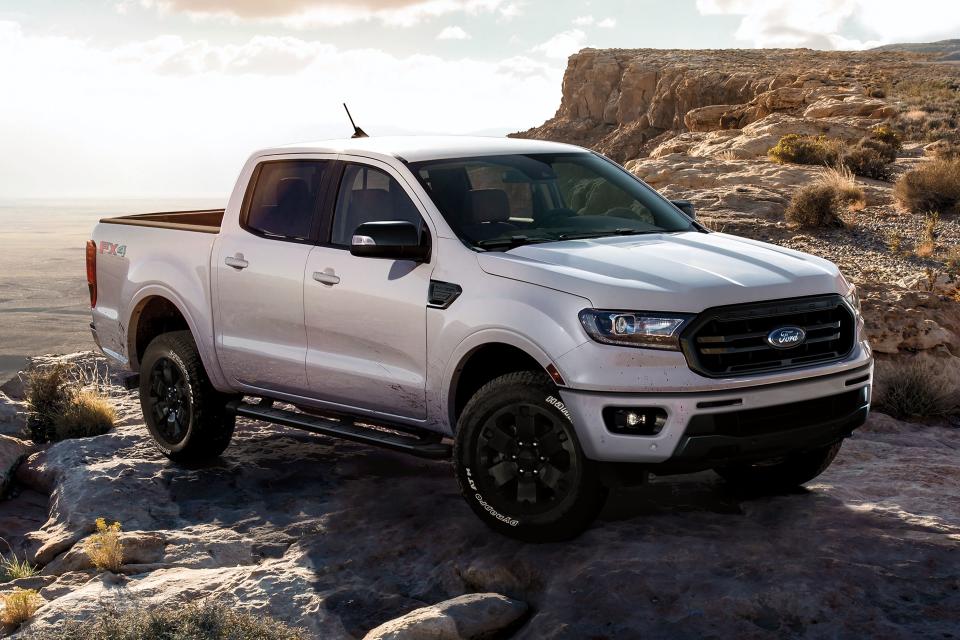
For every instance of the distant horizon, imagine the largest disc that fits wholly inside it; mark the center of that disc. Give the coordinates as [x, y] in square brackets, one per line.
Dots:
[123, 98]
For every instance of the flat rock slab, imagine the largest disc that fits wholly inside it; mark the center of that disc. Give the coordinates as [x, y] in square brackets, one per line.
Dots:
[471, 616]
[340, 539]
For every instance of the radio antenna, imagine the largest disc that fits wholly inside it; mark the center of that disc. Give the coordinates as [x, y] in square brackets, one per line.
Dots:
[357, 131]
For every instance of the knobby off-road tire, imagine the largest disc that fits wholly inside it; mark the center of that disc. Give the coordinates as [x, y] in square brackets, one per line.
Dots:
[185, 415]
[784, 475]
[519, 464]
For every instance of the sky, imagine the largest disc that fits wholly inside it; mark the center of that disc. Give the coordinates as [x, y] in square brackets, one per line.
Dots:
[167, 98]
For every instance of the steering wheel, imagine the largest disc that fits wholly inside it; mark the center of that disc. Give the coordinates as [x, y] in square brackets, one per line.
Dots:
[554, 217]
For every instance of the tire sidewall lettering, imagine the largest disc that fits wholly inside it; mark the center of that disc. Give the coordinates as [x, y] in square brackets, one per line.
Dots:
[507, 520]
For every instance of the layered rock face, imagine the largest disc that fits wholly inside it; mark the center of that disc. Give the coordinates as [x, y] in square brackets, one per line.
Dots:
[619, 101]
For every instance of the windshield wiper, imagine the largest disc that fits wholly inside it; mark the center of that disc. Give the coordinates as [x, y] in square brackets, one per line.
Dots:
[510, 243]
[603, 234]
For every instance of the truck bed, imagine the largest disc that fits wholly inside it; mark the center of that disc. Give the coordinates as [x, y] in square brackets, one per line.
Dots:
[202, 221]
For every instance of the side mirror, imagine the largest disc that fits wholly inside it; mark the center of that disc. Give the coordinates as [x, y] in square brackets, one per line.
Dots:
[686, 206]
[393, 240]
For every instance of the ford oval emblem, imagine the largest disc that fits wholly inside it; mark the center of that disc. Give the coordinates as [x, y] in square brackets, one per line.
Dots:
[786, 337]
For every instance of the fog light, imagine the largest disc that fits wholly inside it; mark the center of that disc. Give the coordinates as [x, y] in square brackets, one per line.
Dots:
[638, 421]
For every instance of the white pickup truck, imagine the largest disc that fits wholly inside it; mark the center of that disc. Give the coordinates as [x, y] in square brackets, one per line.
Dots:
[558, 320]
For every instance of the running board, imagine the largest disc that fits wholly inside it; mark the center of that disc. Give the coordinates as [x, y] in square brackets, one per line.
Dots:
[425, 445]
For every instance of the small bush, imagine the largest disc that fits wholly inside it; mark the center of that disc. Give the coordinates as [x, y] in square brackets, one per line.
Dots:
[800, 149]
[888, 136]
[19, 606]
[204, 621]
[815, 205]
[13, 568]
[61, 405]
[104, 548]
[933, 186]
[869, 161]
[915, 391]
[86, 414]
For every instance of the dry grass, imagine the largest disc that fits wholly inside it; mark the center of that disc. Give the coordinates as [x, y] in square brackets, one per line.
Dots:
[815, 205]
[87, 413]
[914, 391]
[104, 547]
[19, 606]
[842, 180]
[870, 159]
[204, 621]
[933, 186]
[65, 402]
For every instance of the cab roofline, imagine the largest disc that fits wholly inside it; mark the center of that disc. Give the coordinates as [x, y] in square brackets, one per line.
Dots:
[419, 148]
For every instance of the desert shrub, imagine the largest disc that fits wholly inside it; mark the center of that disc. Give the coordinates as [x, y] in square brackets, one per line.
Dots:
[13, 568]
[801, 149]
[917, 390]
[933, 186]
[203, 621]
[104, 547]
[815, 205]
[62, 404]
[887, 135]
[19, 606]
[842, 180]
[87, 413]
[946, 149]
[869, 159]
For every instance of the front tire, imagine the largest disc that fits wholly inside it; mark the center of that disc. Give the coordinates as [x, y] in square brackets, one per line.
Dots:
[185, 415]
[519, 464]
[782, 475]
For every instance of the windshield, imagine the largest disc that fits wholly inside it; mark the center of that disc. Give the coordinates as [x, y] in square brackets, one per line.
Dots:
[499, 202]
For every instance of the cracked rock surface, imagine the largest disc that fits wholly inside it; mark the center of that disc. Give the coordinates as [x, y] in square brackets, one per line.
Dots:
[339, 539]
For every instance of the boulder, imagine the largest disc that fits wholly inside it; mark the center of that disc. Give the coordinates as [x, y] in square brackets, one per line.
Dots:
[850, 106]
[12, 452]
[467, 617]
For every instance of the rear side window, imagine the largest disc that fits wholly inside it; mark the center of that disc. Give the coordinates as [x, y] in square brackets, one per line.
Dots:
[367, 194]
[285, 198]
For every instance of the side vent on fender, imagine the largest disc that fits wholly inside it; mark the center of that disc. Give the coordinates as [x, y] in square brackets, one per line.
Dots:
[442, 294]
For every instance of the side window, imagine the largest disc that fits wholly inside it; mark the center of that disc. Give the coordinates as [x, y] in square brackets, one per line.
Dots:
[368, 194]
[285, 198]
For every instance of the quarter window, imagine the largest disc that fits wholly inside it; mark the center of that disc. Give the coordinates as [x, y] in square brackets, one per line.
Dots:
[366, 195]
[285, 198]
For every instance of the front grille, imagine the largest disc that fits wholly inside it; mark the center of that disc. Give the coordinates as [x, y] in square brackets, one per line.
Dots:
[732, 340]
[778, 418]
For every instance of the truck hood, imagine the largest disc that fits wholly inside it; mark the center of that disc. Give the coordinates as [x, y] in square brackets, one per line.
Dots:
[685, 272]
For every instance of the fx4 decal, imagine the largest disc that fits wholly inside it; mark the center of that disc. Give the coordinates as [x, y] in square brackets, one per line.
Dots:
[113, 249]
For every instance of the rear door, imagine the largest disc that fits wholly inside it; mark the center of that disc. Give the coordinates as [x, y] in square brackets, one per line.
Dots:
[261, 337]
[366, 317]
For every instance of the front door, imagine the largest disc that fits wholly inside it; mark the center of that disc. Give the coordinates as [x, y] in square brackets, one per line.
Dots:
[261, 337]
[366, 317]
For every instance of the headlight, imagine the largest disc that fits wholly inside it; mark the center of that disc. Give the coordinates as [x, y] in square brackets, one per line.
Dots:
[634, 329]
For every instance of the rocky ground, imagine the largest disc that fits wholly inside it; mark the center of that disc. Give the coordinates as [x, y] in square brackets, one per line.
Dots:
[339, 538]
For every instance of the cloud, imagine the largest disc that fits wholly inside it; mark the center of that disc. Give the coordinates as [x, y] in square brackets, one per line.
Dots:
[177, 116]
[607, 23]
[589, 20]
[563, 44]
[583, 21]
[834, 24]
[301, 14]
[453, 33]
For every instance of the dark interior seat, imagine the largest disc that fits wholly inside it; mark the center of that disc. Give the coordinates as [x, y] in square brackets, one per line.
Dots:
[487, 214]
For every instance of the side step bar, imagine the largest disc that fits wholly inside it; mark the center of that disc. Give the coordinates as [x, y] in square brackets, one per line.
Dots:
[425, 445]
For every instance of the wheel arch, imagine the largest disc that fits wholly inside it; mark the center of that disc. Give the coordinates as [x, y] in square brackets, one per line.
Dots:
[484, 358]
[155, 311]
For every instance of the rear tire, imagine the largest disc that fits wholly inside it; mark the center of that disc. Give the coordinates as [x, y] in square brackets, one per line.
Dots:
[519, 464]
[784, 475]
[185, 415]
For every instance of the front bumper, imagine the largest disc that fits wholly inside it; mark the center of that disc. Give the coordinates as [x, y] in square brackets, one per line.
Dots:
[711, 427]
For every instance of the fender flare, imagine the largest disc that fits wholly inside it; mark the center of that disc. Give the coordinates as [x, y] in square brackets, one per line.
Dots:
[206, 345]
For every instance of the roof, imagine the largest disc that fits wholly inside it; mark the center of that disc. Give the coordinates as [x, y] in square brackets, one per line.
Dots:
[417, 148]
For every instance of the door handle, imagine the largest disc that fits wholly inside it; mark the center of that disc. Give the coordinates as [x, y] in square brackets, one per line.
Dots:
[237, 262]
[326, 277]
